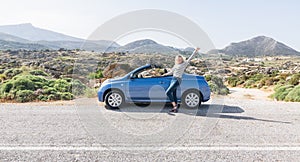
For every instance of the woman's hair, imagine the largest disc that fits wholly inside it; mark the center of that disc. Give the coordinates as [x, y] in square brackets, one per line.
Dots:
[177, 57]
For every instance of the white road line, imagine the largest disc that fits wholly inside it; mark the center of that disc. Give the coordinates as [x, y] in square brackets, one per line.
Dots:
[198, 148]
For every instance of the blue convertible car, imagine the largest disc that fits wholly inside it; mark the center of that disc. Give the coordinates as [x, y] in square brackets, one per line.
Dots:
[140, 86]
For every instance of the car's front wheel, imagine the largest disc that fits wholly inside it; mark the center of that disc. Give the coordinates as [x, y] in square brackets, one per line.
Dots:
[191, 99]
[114, 99]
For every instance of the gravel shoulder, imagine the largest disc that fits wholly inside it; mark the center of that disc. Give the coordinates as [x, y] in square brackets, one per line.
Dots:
[251, 94]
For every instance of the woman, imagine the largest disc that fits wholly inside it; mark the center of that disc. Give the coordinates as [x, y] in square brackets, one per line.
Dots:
[177, 71]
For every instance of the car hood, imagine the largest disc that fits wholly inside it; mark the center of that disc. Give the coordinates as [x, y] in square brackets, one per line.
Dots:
[114, 80]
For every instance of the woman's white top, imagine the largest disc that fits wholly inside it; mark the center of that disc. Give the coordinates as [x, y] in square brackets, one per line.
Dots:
[178, 69]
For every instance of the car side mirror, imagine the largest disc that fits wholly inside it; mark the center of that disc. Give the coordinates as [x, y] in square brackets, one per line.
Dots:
[131, 76]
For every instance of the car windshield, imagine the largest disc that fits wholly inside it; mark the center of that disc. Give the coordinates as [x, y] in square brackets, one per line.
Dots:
[150, 73]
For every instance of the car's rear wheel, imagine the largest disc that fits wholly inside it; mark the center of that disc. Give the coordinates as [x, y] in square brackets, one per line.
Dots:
[114, 99]
[191, 99]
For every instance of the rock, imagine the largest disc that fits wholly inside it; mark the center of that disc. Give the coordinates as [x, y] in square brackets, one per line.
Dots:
[116, 69]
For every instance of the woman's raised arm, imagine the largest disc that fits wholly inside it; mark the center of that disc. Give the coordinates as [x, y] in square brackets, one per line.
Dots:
[196, 50]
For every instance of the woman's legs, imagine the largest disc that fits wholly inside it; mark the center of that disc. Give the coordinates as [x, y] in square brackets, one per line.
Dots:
[175, 97]
[171, 92]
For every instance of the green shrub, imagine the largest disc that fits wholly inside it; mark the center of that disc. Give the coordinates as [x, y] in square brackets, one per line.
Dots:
[62, 85]
[51, 83]
[39, 81]
[270, 82]
[244, 77]
[23, 84]
[68, 70]
[280, 82]
[90, 93]
[208, 78]
[66, 96]
[49, 90]
[249, 83]
[283, 76]
[53, 97]
[217, 86]
[97, 75]
[42, 97]
[78, 88]
[281, 92]
[68, 79]
[256, 77]
[267, 81]
[295, 79]
[12, 72]
[11, 95]
[232, 81]
[25, 96]
[6, 87]
[2, 77]
[293, 95]
[278, 86]
[38, 72]
[240, 82]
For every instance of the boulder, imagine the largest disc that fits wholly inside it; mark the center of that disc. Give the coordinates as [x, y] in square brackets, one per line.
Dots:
[116, 69]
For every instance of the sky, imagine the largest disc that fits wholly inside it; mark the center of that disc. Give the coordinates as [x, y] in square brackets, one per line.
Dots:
[224, 21]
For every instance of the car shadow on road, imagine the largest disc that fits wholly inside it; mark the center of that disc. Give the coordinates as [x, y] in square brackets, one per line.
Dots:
[205, 110]
[216, 111]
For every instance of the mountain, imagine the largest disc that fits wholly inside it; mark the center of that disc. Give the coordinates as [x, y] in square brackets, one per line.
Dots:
[27, 36]
[8, 37]
[31, 33]
[89, 45]
[9, 45]
[188, 49]
[105, 45]
[24, 36]
[8, 41]
[147, 46]
[258, 46]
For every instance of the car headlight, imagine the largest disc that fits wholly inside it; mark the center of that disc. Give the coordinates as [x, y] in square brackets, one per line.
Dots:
[106, 81]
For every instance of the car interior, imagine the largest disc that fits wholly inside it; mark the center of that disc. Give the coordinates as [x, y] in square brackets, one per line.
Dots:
[151, 73]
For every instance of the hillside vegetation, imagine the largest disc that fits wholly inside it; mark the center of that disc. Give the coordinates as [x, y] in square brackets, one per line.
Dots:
[27, 84]
[46, 75]
[281, 73]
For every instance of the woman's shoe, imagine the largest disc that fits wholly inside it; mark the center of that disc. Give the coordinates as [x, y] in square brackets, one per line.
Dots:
[175, 110]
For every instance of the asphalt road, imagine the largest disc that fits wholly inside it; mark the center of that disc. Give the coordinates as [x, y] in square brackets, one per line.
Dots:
[244, 126]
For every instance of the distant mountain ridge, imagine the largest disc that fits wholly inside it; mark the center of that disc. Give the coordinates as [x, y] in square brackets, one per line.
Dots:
[26, 36]
[10, 45]
[257, 46]
[8, 37]
[29, 32]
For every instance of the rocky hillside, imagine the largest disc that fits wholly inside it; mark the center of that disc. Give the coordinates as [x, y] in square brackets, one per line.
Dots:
[258, 46]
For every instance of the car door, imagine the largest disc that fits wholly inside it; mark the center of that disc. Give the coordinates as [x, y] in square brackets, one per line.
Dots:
[148, 89]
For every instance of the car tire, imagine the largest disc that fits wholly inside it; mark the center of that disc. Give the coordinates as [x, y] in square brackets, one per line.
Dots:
[191, 99]
[114, 99]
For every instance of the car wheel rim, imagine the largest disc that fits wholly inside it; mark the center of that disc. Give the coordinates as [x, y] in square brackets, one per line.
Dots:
[192, 99]
[115, 99]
